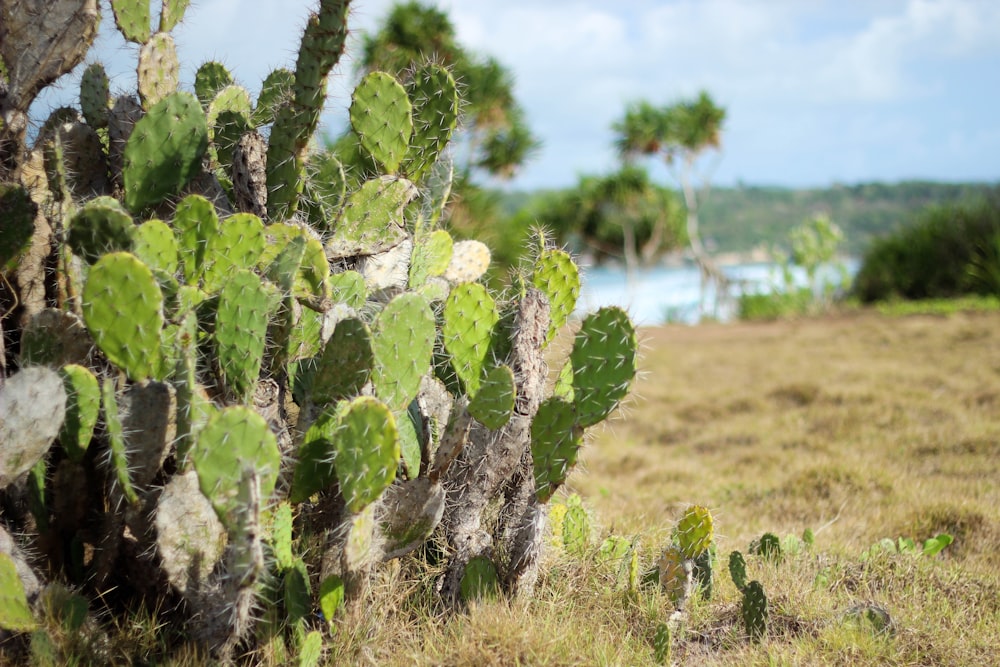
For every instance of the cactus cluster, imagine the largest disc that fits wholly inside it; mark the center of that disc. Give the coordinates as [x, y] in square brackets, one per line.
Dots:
[238, 356]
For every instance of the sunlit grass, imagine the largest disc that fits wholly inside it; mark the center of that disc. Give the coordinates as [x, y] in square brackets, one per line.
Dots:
[857, 427]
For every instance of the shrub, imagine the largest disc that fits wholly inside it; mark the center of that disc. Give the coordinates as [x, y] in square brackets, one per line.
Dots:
[949, 251]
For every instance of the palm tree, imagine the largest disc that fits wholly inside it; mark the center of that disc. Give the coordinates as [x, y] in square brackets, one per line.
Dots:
[680, 133]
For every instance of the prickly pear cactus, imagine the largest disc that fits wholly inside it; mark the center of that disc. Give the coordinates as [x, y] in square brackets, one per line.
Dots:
[246, 380]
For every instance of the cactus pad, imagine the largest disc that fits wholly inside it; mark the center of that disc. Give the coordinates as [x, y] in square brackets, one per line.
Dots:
[480, 581]
[164, 150]
[381, 116]
[32, 409]
[123, 309]
[430, 257]
[95, 96]
[372, 220]
[754, 611]
[469, 261]
[493, 403]
[555, 443]
[158, 70]
[314, 470]
[237, 245]
[346, 363]
[467, 328]
[233, 438]
[240, 332]
[18, 213]
[133, 19]
[15, 613]
[100, 227]
[604, 363]
[156, 246]
[172, 13]
[434, 97]
[558, 277]
[694, 531]
[738, 570]
[83, 406]
[210, 78]
[403, 342]
[189, 536]
[366, 446]
[117, 449]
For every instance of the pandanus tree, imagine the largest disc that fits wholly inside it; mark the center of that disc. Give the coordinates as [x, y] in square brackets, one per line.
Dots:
[679, 133]
[622, 215]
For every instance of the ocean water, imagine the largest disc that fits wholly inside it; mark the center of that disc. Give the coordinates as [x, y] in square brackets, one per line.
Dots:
[670, 294]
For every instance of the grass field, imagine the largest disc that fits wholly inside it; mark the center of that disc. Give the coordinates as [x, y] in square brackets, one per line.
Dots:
[858, 427]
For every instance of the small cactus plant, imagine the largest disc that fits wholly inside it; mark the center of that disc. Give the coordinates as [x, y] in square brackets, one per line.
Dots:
[237, 355]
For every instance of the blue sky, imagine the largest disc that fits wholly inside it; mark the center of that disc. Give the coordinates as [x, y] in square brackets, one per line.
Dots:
[816, 91]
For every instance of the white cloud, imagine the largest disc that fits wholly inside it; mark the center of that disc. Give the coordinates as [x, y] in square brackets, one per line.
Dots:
[824, 78]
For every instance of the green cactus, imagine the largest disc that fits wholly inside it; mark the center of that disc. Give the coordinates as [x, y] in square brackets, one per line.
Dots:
[237, 245]
[661, 644]
[172, 13]
[275, 91]
[99, 227]
[469, 315]
[18, 213]
[372, 220]
[281, 536]
[83, 406]
[694, 531]
[754, 611]
[156, 246]
[240, 332]
[311, 651]
[116, 443]
[366, 451]
[210, 78]
[331, 596]
[159, 69]
[558, 277]
[481, 581]
[738, 570]
[125, 324]
[381, 115]
[555, 442]
[164, 150]
[604, 363]
[195, 223]
[133, 19]
[576, 530]
[769, 547]
[95, 96]
[493, 402]
[205, 308]
[402, 342]
[234, 437]
[431, 257]
[346, 362]
[296, 121]
[15, 613]
[314, 470]
[434, 97]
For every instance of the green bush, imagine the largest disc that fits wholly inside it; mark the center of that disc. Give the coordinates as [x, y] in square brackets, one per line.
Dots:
[777, 305]
[949, 251]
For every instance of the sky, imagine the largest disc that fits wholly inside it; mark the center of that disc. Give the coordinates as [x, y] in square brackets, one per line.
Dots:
[816, 92]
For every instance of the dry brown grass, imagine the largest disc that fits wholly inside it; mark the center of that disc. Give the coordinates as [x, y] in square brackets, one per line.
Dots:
[859, 427]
